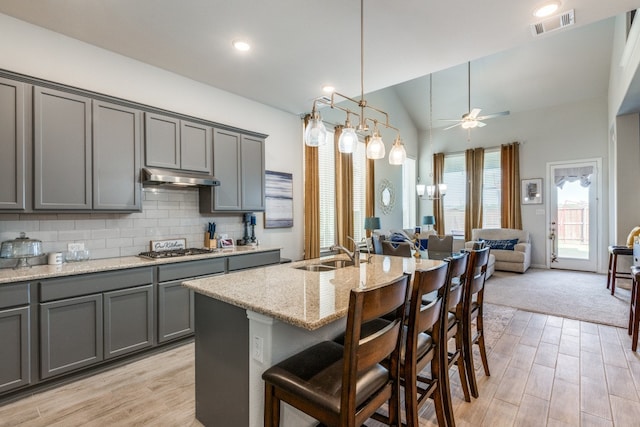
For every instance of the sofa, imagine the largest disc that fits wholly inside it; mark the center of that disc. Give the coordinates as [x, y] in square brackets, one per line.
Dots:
[510, 247]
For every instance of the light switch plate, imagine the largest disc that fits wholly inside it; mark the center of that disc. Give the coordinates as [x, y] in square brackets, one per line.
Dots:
[72, 247]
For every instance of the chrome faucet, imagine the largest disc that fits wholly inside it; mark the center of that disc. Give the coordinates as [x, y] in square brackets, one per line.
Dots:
[353, 256]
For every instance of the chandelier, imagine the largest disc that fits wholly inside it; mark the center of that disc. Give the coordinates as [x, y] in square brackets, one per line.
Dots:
[316, 135]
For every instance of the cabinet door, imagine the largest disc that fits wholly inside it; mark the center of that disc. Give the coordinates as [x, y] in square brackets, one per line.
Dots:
[162, 141]
[252, 166]
[195, 147]
[12, 145]
[14, 352]
[62, 150]
[70, 334]
[226, 167]
[175, 311]
[116, 157]
[128, 320]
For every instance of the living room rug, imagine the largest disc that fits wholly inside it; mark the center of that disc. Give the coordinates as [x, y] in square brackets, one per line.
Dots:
[571, 294]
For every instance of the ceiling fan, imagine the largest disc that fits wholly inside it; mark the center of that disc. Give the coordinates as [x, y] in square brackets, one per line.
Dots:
[472, 118]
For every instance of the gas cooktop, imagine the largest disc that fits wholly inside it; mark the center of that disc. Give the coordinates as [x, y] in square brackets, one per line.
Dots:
[174, 253]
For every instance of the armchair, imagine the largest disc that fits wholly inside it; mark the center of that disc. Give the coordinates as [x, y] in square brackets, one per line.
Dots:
[510, 247]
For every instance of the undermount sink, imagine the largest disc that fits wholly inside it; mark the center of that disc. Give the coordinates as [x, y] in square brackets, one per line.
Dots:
[339, 263]
[315, 267]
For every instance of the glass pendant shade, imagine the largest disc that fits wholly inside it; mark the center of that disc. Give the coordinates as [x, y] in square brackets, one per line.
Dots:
[375, 148]
[315, 134]
[420, 188]
[398, 154]
[347, 141]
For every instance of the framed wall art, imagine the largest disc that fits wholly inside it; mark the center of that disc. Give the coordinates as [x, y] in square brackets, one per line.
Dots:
[531, 191]
[278, 210]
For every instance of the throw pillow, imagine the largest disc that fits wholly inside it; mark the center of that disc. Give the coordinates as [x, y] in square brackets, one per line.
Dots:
[504, 244]
[631, 237]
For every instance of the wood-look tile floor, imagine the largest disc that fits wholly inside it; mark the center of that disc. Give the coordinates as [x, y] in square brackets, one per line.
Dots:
[545, 371]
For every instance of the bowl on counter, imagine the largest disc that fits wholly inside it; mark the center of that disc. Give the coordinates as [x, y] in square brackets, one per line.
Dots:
[75, 256]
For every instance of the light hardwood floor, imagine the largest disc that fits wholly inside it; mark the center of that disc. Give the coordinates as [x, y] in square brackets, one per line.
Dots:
[545, 370]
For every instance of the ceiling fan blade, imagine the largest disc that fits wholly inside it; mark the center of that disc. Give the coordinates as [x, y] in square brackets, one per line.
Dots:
[474, 113]
[452, 126]
[450, 120]
[490, 116]
[480, 124]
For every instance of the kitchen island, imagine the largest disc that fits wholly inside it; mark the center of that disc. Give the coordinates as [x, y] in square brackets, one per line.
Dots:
[250, 320]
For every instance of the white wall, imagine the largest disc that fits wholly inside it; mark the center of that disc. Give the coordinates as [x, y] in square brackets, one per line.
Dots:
[562, 133]
[37, 52]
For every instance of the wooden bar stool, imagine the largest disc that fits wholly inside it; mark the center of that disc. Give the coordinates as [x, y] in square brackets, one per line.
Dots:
[344, 386]
[613, 273]
[634, 309]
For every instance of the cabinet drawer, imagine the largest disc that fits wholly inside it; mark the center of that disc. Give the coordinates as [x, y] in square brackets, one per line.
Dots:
[240, 262]
[86, 284]
[14, 294]
[183, 270]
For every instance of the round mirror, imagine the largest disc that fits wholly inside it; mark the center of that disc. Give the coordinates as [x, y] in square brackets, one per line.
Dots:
[386, 196]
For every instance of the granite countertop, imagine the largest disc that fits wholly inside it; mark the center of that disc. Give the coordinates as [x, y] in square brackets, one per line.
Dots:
[307, 299]
[10, 275]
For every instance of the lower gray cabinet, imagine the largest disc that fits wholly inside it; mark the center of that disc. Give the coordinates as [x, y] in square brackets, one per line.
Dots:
[70, 334]
[15, 354]
[128, 320]
[175, 311]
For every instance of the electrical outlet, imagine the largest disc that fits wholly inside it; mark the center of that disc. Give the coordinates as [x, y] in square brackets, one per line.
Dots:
[258, 348]
[72, 247]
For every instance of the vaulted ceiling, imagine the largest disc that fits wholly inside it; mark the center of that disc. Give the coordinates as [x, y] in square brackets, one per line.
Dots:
[300, 45]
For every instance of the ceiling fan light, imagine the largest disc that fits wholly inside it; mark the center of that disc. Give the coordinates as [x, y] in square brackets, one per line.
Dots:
[398, 154]
[347, 140]
[375, 148]
[469, 124]
[315, 134]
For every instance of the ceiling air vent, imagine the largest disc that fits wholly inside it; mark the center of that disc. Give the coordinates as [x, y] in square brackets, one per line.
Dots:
[553, 23]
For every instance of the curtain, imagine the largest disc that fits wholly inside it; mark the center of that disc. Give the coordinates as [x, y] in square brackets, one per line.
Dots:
[438, 176]
[311, 200]
[474, 158]
[564, 175]
[510, 213]
[370, 188]
[344, 193]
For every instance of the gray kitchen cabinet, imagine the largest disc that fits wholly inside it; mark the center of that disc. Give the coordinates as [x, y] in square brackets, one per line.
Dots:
[62, 150]
[71, 334]
[177, 144]
[258, 259]
[15, 336]
[175, 302]
[88, 318]
[128, 320]
[238, 162]
[13, 142]
[116, 157]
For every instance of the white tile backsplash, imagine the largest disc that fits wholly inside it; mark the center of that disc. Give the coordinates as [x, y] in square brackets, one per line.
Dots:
[167, 213]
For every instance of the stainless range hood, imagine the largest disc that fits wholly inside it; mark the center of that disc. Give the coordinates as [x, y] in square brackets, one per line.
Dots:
[152, 176]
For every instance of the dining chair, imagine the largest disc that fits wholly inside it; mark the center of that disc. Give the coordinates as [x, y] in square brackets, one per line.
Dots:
[634, 308]
[396, 248]
[439, 247]
[345, 385]
[472, 309]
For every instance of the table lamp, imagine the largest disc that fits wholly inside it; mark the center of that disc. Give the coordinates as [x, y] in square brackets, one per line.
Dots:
[372, 223]
[429, 220]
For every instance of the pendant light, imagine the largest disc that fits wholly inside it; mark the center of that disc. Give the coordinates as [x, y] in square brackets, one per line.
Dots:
[316, 135]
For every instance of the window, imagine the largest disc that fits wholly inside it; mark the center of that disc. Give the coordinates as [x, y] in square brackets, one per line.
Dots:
[454, 175]
[491, 196]
[409, 193]
[326, 170]
[326, 166]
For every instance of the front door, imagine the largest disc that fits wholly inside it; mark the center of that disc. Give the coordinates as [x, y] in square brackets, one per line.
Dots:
[573, 215]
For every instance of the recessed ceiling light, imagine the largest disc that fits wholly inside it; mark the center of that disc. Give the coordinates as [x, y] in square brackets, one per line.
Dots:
[328, 89]
[546, 9]
[241, 45]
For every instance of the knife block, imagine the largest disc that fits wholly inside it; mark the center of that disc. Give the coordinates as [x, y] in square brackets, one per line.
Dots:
[210, 243]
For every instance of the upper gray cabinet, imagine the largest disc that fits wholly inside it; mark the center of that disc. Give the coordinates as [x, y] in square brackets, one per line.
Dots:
[238, 162]
[62, 150]
[12, 145]
[177, 144]
[116, 157]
